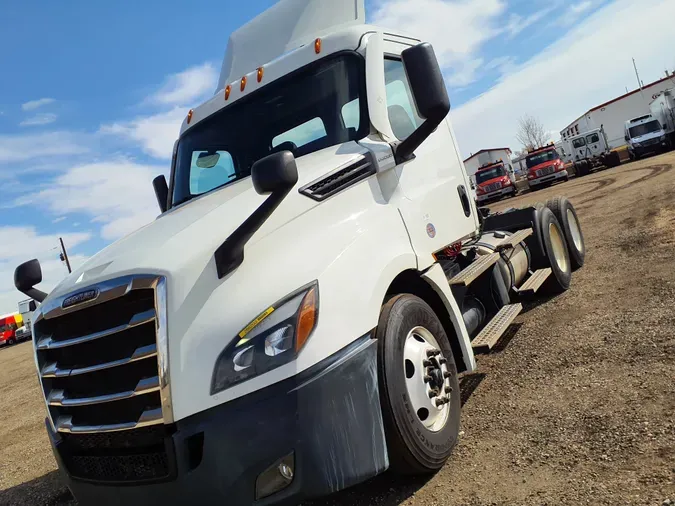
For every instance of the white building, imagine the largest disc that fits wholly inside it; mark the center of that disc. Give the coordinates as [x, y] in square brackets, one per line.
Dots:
[612, 115]
[485, 156]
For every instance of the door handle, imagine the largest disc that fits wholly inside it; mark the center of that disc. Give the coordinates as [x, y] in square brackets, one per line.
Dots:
[464, 198]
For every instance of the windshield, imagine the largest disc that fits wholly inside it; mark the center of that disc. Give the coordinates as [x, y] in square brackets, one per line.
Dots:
[593, 138]
[5, 327]
[539, 158]
[579, 143]
[645, 128]
[319, 106]
[486, 175]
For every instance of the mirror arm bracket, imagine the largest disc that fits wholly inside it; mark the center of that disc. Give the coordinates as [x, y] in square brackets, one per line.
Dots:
[35, 294]
[230, 254]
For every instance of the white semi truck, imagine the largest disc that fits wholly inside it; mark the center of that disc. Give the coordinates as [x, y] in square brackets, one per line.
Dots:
[295, 320]
[589, 151]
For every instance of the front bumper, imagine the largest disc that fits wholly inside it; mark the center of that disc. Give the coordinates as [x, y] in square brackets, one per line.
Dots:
[328, 417]
[550, 178]
[648, 150]
[509, 190]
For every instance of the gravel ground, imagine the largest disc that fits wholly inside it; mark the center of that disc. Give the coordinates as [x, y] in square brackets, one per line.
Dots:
[576, 406]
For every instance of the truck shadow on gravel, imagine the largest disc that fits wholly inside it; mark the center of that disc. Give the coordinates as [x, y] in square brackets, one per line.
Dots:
[46, 490]
[387, 489]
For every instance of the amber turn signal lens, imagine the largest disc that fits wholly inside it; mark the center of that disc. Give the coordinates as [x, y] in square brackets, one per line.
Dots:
[317, 46]
[228, 90]
[306, 319]
[261, 71]
[189, 116]
[243, 83]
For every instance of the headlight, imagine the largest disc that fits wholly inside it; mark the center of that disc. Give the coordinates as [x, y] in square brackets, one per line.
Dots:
[636, 144]
[272, 339]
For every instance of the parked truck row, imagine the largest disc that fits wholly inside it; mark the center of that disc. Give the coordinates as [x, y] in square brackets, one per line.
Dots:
[296, 319]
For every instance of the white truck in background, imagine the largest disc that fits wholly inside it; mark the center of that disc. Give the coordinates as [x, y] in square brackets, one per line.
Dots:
[589, 151]
[663, 109]
[645, 135]
[295, 320]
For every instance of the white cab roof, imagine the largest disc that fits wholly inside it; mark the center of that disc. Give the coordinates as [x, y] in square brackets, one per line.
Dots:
[283, 27]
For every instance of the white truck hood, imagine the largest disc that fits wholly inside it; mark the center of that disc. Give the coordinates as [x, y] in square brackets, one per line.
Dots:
[186, 237]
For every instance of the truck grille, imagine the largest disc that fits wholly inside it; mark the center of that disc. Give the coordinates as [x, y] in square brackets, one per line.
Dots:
[101, 366]
[545, 171]
[493, 187]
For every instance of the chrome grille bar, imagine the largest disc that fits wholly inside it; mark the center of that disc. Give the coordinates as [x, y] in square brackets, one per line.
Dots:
[59, 397]
[147, 418]
[48, 343]
[52, 369]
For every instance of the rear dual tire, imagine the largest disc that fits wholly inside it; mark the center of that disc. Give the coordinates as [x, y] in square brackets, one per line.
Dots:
[420, 437]
[567, 217]
[556, 254]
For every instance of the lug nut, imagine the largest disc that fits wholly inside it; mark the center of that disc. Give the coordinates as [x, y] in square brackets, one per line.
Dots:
[440, 401]
[447, 374]
[427, 363]
[433, 393]
[448, 390]
[433, 353]
[443, 361]
[427, 378]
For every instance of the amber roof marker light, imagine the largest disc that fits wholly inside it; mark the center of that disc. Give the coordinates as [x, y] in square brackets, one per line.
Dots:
[228, 90]
[317, 46]
[189, 116]
[243, 83]
[261, 72]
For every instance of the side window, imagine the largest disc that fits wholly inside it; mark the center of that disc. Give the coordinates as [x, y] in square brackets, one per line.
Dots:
[209, 170]
[351, 114]
[302, 134]
[400, 105]
[593, 138]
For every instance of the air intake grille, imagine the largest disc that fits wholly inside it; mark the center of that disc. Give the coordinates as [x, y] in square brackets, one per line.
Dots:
[100, 374]
[339, 179]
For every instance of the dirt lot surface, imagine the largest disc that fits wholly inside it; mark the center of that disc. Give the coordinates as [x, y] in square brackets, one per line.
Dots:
[576, 407]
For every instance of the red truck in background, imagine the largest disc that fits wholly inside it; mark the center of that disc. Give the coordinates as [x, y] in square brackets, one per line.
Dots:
[544, 167]
[493, 181]
[8, 326]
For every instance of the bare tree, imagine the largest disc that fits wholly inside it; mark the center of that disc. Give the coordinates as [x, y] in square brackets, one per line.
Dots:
[531, 132]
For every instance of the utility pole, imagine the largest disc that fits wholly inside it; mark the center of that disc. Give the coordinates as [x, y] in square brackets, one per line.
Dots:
[64, 255]
[637, 75]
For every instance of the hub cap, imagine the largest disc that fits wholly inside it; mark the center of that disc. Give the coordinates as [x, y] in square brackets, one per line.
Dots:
[427, 380]
[575, 230]
[558, 246]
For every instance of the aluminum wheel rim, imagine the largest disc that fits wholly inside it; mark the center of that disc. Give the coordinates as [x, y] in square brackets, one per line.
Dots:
[574, 230]
[418, 344]
[558, 246]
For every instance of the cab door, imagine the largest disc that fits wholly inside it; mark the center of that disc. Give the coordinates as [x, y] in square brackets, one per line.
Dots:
[438, 208]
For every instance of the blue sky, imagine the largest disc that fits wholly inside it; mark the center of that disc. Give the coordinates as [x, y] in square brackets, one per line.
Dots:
[93, 94]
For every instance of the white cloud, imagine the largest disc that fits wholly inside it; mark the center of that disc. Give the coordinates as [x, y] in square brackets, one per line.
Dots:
[59, 219]
[188, 86]
[575, 11]
[518, 23]
[456, 28]
[587, 66]
[154, 134]
[43, 118]
[31, 105]
[33, 245]
[117, 193]
[18, 148]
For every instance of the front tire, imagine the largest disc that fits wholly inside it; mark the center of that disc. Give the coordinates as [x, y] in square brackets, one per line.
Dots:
[415, 361]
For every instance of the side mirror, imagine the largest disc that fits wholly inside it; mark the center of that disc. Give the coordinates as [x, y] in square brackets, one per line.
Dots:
[161, 192]
[26, 276]
[626, 137]
[429, 92]
[276, 174]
